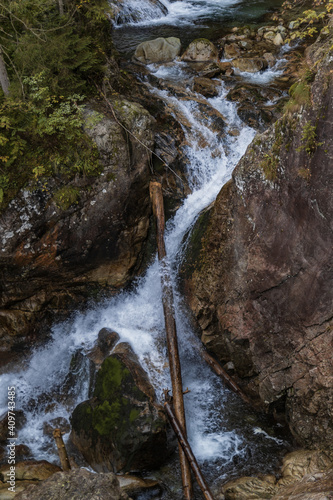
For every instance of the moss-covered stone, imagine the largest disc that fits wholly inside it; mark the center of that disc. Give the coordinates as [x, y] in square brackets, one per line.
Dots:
[120, 428]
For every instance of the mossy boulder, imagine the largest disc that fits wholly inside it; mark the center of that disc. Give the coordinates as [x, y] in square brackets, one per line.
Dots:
[122, 427]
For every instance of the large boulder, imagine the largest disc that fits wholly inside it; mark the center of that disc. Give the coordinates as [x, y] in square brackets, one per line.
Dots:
[249, 64]
[122, 427]
[75, 485]
[160, 50]
[30, 470]
[305, 474]
[260, 283]
[68, 241]
[200, 50]
[206, 86]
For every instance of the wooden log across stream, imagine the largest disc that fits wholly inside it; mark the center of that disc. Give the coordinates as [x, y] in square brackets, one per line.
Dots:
[171, 333]
[188, 451]
[225, 376]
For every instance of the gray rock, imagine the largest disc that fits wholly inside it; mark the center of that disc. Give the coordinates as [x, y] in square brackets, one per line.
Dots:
[160, 50]
[250, 64]
[76, 484]
[200, 50]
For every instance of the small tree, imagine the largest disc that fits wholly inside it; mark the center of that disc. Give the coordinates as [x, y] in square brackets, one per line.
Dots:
[4, 79]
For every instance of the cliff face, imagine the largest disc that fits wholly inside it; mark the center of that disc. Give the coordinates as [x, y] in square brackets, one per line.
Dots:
[63, 241]
[261, 288]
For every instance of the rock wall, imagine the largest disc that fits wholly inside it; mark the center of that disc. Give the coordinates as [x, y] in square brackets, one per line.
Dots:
[54, 256]
[258, 275]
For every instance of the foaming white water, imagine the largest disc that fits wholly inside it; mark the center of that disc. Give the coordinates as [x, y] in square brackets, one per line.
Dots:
[142, 12]
[265, 77]
[44, 389]
[139, 11]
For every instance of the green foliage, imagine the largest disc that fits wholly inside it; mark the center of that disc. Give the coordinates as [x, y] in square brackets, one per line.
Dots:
[66, 197]
[311, 20]
[52, 61]
[309, 139]
[43, 135]
[300, 94]
[271, 159]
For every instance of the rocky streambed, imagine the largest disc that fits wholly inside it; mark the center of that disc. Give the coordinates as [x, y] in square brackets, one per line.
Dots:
[99, 242]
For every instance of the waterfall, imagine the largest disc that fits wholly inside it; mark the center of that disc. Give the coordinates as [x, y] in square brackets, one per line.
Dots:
[43, 389]
[135, 12]
[47, 392]
[138, 11]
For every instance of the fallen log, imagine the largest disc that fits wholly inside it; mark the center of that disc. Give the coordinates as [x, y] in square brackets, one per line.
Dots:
[64, 461]
[225, 376]
[188, 451]
[156, 196]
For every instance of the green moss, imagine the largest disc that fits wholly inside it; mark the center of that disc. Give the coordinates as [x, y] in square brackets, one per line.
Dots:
[309, 139]
[106, 417]
[112, 375]
[66, 197]
[134, 414]
[300, 95]
[269, 166]
[271, 160]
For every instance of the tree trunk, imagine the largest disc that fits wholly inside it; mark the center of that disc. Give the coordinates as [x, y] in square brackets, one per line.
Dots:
[4, 80]
[225, 376]
[64, 462]
[188, 452]
[171, 333]
[61, 7]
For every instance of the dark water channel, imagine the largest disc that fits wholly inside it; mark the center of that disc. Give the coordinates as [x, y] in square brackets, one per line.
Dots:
[202, 19]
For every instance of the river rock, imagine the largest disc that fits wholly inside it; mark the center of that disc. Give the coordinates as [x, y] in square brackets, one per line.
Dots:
[206, 87]
[69, 253]
[75, 485]
[252, 100]
[200, 50]
[231, 51]
[270, 58]
[301, 469]
[106, 340]
[122, 427]
[30, 470]
[301, 463]
[160, 50]
[133, 485]
[261, 287]
[317, 486]
[250, 65]
[248, 487]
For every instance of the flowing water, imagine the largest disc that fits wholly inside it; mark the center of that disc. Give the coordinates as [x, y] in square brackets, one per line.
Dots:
[141, 20]
[226, 437]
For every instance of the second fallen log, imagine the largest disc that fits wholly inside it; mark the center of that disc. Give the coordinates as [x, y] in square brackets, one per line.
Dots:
[171, 333]
[188, 452]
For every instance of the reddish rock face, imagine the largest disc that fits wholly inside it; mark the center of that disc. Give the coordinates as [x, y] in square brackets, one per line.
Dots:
[262, 285]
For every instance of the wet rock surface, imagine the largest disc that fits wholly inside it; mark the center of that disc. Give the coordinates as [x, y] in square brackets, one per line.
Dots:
[121, 427]
[261, 285]
[75, 485]
[54, 256]
[305, 474]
